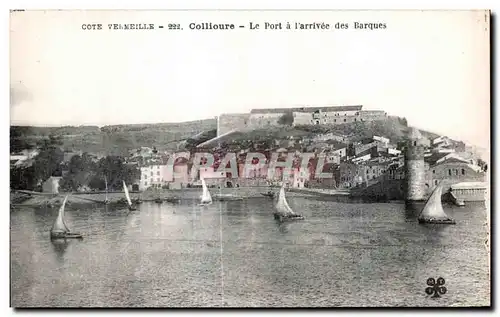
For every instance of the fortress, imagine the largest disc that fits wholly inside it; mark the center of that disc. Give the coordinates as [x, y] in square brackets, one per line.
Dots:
[261, 118]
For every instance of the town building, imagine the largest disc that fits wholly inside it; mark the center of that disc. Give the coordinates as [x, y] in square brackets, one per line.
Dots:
[469, 191]
[164, 174]
[368, 144]
[381, 140]
[155, 176]
[213, 176]
[51, 185]
[351, 175]
[452, 171]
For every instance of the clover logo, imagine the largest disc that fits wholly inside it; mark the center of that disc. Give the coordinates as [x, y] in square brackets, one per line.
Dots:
[436, 289]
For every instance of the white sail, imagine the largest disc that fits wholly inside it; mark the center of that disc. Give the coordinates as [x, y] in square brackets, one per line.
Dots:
[106, 183]
[125, 189]
[282, 205]
[206, 198]
[59, 226]
[433, 208]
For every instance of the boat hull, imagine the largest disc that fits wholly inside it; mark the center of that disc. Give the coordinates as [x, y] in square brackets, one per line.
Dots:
[267, 195]
[437, 221]
[55, 236]
[227, 198]
[283, 218]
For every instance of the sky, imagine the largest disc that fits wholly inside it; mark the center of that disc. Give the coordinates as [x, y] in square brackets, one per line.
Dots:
[430, 67]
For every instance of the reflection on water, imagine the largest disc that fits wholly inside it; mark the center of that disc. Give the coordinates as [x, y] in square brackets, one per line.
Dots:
[234, 253]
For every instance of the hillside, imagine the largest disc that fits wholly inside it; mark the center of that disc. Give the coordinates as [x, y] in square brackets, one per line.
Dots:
[119, 139]
[113, 139]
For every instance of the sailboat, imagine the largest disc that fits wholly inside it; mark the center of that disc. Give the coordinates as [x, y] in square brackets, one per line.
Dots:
[59, 229]
[106, 200]
[129, 202]
[206, 198]
[433, 210]
[283, 211]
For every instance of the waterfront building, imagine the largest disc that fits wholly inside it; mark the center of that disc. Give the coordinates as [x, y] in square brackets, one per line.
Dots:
[51, 185]
[351, 175]
[155, 175]
[469, 191]
[452, 171]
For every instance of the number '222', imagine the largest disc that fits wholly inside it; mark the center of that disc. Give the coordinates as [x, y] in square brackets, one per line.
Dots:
[174, 26]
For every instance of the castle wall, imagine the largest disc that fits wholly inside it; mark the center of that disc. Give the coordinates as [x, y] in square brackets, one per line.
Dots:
[373, 115]
[262, 120]
[256, 120]
[302, 118]
[231, 121]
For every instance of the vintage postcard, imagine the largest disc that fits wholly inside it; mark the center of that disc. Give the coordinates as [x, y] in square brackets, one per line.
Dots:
[235, 158]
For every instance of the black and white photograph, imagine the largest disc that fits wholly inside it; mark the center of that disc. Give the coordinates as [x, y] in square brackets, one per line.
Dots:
[249, 158]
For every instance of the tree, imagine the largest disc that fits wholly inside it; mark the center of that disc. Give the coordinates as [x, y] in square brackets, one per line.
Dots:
[116, 171]
[81, 169]
[18, 141]
[22, 178]
[48, 161]
[403, 121]
[286, 119]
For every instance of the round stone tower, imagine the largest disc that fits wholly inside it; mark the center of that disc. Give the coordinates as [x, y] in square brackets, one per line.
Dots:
[415, 167]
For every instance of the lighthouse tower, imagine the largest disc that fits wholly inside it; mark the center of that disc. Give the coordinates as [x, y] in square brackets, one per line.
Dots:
[415, 167]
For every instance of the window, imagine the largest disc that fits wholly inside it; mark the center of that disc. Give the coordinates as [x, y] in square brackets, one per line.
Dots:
[145, 176]
[449, 172]
[145, 183]
[151, 173]
[415, 144]
[158, 179]
[456, 172]
[433, 171]
[345, 120]
[334, 120]
[463, 171]
[158, 173]
[355, 119]
[435, 182]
